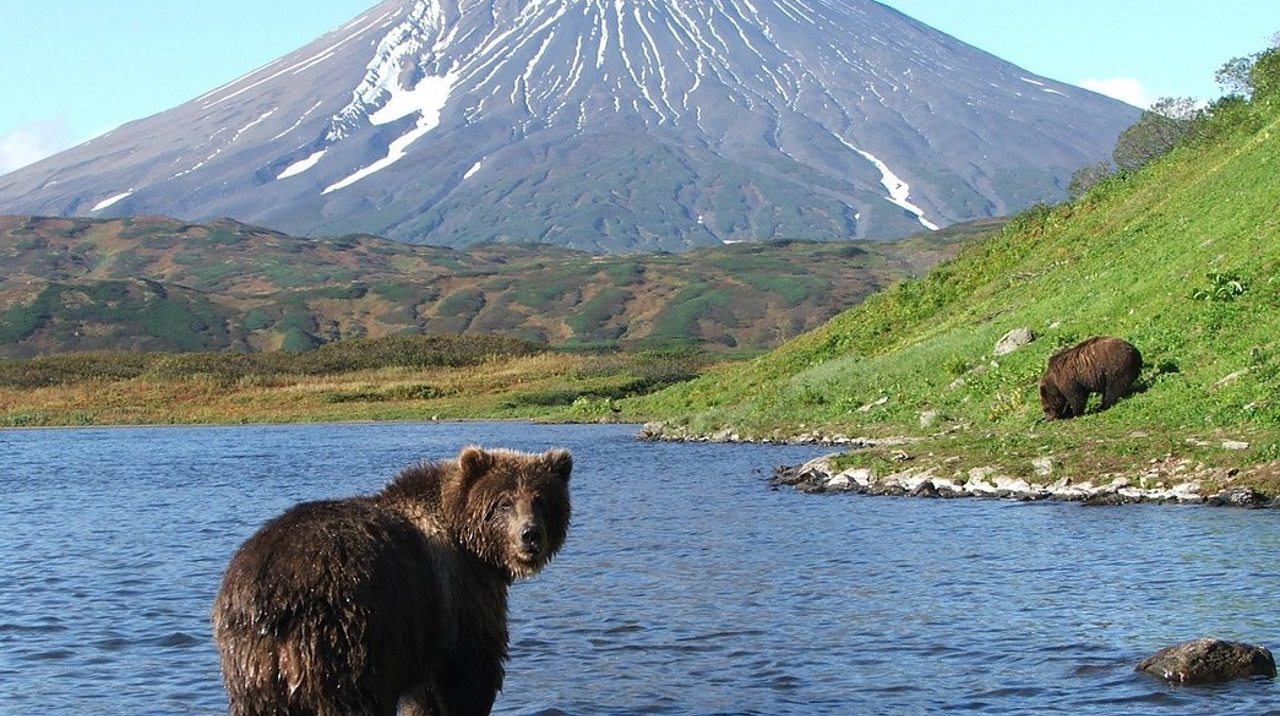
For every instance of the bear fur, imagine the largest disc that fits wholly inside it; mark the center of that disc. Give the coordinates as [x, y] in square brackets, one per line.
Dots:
[360, 606]
[1097, 365]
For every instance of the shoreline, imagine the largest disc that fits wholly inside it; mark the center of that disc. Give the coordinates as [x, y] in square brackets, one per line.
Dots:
[819, 476]
[1157, 481]
[1165, 480]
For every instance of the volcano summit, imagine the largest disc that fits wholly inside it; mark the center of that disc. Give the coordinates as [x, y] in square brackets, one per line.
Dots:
[604, 125]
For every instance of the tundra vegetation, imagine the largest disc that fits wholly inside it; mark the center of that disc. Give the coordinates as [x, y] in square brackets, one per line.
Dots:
[155, 284]
[392, 378]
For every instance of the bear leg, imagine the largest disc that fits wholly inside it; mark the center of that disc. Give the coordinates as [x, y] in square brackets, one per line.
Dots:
[420, 701]
[459, 693]
[287, 707]
[1077, 398]
[1114, 391]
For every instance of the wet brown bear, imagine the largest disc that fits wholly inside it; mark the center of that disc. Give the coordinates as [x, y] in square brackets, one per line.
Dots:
[1098, 365]
[357, 606]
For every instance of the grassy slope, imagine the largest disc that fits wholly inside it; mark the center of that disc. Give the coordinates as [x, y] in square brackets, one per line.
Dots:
[1125, 261]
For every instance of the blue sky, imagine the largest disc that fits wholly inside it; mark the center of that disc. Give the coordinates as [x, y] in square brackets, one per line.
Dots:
[71, 69]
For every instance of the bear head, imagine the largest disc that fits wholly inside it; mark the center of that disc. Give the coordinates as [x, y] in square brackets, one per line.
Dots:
[1053, 402]
[511, 508]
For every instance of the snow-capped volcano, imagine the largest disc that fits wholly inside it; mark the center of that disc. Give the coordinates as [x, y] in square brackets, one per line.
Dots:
[606, 125]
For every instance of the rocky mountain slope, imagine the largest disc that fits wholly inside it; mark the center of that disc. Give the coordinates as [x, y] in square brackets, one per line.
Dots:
[601, 125]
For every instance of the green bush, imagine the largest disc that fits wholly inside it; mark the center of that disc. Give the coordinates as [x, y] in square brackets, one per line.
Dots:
[257, 319]
[19, 322]
[589, 321]
[1223, 286]
[1156, 132]
[465, 302]
[297, 340]
[1265, 76]
[1086, 178]
[74, 368]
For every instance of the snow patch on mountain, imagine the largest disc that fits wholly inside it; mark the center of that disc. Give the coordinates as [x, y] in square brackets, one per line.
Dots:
[301, 166]
[253, 124]
[298, 123]
[394, 64]
[899, 190]
[428, 98]
[1043, 87]
[111, 200]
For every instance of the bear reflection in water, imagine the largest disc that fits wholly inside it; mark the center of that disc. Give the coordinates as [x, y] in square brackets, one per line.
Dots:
[395, 600]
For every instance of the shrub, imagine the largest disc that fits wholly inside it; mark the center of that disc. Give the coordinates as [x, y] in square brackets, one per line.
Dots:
[74, 367]
[1087, 177]
[956, 366]
[589, 321]
[257, 319]
[1223, 286]
[464, 302]
[1156, 132]
[298, 340]
[1265, 76]
[1254, 77]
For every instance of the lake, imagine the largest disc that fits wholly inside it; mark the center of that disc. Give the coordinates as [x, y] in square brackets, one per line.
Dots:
[686, 586]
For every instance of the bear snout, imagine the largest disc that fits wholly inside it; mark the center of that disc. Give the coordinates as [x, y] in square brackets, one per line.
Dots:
[531, 539]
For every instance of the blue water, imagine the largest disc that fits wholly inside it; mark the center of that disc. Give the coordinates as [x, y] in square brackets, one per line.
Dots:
[686, 585]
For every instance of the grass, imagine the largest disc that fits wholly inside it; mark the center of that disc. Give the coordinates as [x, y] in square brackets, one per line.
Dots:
[1182, 259]
[399, 378]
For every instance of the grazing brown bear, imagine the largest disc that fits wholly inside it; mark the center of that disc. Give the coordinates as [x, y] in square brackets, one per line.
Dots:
[1097, 365]
[359, 606]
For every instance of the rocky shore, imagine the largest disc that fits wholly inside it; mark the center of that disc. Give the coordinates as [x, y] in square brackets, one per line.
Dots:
[820, 476]
[656, 432]
[1160, 480]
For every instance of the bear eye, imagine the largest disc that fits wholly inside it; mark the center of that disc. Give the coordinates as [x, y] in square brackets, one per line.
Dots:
[505, 504]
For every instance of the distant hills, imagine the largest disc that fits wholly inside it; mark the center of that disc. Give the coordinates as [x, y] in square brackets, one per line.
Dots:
[153, 283]
[601, 126]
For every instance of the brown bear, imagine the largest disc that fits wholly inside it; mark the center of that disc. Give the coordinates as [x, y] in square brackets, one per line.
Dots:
[1097, 365]
[396, 600]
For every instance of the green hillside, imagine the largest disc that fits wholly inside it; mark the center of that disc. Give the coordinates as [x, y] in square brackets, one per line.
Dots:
[1182, 258]
[156, 284]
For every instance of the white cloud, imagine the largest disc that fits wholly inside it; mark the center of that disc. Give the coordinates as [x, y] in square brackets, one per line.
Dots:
[1125, 89]
[32, 142]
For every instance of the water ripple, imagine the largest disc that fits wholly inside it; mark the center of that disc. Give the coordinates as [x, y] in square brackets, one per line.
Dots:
[723, 598]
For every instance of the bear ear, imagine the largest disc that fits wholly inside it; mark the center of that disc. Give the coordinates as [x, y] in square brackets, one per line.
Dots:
[560, 462]
[474, 462]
